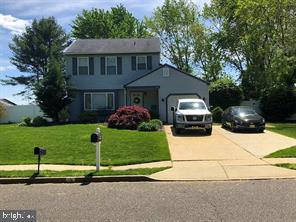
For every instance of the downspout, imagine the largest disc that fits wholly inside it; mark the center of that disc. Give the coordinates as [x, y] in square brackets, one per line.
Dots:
[125, 96]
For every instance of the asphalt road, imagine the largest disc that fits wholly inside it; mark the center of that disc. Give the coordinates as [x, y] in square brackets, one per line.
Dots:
[269, 200]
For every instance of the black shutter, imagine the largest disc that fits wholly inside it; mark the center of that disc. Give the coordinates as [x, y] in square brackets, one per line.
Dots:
[74, 66]
[149, 62]
[91, 65]
[119, 65]
[134, 63]
[103, 65]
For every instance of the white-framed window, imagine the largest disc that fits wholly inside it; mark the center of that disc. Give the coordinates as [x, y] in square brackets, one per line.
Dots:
[99, 101]
[111, 65]
[141, 62]
[83, 65]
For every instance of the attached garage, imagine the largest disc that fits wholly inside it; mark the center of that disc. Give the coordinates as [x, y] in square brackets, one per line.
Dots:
[171, 84]
[172, 100]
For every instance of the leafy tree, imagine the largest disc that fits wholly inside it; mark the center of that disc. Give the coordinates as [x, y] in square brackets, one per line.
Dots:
[208, 56]
[116, 23]
[224, 93]
[32, 50]
[176, 23]
[279, 102]
[256, 37]
[53, 91]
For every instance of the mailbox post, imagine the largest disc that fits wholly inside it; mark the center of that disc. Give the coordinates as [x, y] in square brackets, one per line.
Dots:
[40, 152]
[96, 139]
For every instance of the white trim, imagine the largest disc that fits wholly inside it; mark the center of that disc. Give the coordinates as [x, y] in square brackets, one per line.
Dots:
[83, 57]
[106, 65]
[99, 93]
[138, 63]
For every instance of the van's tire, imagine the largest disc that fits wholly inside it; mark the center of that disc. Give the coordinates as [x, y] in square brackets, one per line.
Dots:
[209, 131]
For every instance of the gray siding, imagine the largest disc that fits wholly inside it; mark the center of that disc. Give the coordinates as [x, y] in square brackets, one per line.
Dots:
[98, 81]
[176, 83]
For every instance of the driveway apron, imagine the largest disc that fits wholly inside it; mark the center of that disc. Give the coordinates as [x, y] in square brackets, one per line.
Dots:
[223, 155]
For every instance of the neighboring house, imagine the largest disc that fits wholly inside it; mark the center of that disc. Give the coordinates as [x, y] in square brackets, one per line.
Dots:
[7, 102]
[110, 73]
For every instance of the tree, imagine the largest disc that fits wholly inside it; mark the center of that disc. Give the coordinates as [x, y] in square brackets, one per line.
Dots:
[176, 23]
[224, 93]
[53, 91]
[208, 56]
[43, 40]
[256, 37]
[116, 23]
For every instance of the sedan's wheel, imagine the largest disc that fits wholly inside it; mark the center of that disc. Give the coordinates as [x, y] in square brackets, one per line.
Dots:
[260, 130]
[232, 128]
[223, 123]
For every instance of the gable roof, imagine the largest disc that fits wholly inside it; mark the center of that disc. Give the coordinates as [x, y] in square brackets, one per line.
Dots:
[113, 46]
[7, 102]
[170, 66]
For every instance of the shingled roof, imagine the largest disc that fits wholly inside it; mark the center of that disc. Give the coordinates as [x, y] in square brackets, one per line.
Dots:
[113, 46]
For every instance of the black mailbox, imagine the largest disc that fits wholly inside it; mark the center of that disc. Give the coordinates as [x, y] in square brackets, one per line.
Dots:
[39, 151]
[173, 108]
[94, 138]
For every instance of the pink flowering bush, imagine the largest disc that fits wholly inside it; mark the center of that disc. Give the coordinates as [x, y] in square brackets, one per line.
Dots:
[128, 117]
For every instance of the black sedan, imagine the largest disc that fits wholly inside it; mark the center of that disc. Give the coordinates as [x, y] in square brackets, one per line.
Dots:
[242, 117]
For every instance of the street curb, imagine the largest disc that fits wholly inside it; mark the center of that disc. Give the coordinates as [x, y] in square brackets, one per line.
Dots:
[83, 180]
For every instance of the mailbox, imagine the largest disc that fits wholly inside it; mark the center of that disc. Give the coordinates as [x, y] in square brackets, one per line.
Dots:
[95, 138]
[173, 108]
[39, 151]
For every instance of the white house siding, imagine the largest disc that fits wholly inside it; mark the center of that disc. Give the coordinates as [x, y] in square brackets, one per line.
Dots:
[15, 114]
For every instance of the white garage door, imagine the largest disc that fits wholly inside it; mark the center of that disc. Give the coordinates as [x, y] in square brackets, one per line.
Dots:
[172, 100]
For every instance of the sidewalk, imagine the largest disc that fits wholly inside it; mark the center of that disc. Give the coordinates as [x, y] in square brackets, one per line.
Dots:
[55, 167]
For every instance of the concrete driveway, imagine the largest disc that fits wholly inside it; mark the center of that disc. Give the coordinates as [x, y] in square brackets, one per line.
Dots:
[223, 155]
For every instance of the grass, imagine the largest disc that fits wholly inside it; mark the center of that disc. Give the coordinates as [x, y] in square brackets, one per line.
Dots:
[70, 173]
[291, 166]
[70, 144]
[286, 129]
[285, 153]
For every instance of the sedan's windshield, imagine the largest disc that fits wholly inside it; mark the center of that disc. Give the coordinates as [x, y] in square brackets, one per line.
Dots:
[191, 105]
[244, 111]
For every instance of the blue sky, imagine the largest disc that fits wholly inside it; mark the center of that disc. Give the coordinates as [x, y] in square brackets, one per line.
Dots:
[16, 14]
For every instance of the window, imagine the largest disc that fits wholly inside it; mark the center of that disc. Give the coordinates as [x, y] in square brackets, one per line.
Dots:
[83, 66]
[141, 62]
[111, 65]
[99, 101]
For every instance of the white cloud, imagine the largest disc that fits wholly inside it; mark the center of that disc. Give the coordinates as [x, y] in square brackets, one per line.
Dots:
[13, 24]
[7, 68]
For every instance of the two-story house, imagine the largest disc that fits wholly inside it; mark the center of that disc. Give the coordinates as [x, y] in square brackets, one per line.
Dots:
[110, 73]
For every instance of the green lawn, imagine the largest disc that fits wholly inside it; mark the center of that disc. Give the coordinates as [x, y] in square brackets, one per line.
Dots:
[70, 144]
[287, 129]
[70, 173]
[291, 166]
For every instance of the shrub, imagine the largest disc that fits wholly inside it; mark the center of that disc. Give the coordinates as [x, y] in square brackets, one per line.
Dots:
[27, 121]
[217, 114]
[88, 117]
[39, 121]
[128, 117]
[224, 93]
[148, 126]
[157, 122]
[278, 103]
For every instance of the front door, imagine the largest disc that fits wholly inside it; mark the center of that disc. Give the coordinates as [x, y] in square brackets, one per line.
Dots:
[137, 98]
